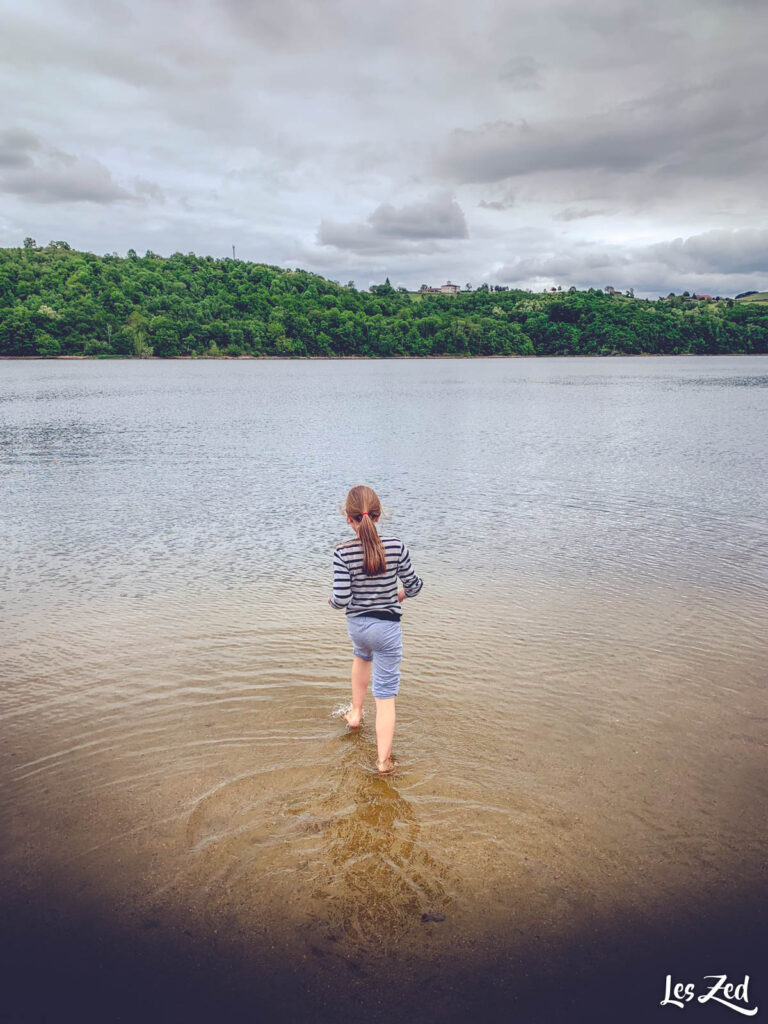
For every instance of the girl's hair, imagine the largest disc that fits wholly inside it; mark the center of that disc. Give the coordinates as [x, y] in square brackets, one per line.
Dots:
[362, 500]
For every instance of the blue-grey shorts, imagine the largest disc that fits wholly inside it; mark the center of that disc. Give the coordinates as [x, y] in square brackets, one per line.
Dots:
[381, 642]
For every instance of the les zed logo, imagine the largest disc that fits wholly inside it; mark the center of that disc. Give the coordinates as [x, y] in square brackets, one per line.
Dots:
[720, 991]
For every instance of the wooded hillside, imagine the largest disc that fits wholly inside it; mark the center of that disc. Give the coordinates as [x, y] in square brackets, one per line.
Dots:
[57, 301]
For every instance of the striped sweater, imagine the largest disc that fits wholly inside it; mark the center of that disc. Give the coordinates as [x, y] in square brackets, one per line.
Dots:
[361, 594]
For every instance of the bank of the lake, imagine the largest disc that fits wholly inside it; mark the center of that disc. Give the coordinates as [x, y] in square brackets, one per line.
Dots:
[246, 358]
[55, 301]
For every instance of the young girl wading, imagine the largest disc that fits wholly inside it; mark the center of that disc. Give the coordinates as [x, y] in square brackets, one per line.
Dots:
[365, 573]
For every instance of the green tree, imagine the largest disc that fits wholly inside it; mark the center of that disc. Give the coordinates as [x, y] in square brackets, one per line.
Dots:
[46, 345]
[136, 331]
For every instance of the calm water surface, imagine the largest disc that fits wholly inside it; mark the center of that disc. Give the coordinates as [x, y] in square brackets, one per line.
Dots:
[582, 726]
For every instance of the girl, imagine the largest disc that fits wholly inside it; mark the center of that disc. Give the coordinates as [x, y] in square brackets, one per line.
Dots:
[365, 573]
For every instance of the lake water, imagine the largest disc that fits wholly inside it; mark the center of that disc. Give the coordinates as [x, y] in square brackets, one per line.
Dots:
[582, 721]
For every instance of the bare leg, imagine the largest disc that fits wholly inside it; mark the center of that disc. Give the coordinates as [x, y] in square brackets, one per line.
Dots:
[385, 731]
[361, 677]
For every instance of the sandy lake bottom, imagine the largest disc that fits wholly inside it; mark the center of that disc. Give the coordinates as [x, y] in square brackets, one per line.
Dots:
[188, 833]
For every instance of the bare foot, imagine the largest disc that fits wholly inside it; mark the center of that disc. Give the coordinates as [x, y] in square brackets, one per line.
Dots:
[385, 767]
[353, 718]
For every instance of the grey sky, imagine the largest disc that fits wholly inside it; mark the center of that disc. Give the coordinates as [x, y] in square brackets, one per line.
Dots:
[587, 144]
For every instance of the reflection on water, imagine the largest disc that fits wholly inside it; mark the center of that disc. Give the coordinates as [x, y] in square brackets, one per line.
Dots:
[582, 726]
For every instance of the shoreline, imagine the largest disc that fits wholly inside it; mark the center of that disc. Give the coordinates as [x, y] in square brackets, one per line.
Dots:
[307, 359]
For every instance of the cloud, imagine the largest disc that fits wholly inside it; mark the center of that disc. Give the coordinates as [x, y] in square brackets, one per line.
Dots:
[300, 25]
[436, 218]
[150, 189]
[75, 181]
[253, 123]
[497, 204]
[647, 147]
[500, 150]
[717, 262]
[569, 214]
[15, 147]
[41, 173]
[390, 229]
[718, 252]
[522, 73]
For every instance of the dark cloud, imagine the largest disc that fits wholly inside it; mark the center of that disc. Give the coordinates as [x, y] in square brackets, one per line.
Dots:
[389, 228]
[697, 130]
[16, 147]
[436, 218]
[501, 150]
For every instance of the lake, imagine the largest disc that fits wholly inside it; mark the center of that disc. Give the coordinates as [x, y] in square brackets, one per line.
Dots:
[580, 803]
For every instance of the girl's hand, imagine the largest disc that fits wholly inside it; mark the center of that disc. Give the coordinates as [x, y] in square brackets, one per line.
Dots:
[401, 595]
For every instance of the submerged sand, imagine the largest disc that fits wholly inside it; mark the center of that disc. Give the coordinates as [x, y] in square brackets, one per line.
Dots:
[189, 834]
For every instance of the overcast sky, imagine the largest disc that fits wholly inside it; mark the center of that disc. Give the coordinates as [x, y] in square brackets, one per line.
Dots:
[562, 143]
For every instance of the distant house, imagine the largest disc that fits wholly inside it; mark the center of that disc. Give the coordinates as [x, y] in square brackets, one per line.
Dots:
[610, 290]
[708, 298]
[444, 289]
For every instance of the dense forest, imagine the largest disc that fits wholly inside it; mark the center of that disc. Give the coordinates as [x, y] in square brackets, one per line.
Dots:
[55, 301]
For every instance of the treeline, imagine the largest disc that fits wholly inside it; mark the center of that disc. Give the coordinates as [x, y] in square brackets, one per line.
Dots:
[57, 301]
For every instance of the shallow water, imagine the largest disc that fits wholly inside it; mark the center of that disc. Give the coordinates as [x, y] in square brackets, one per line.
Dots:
[582, 726]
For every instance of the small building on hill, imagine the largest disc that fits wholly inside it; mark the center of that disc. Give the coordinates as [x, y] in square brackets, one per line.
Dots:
[444, 289]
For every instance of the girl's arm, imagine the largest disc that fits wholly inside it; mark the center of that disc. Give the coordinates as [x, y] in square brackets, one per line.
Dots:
[411, 582]
[342, 584]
